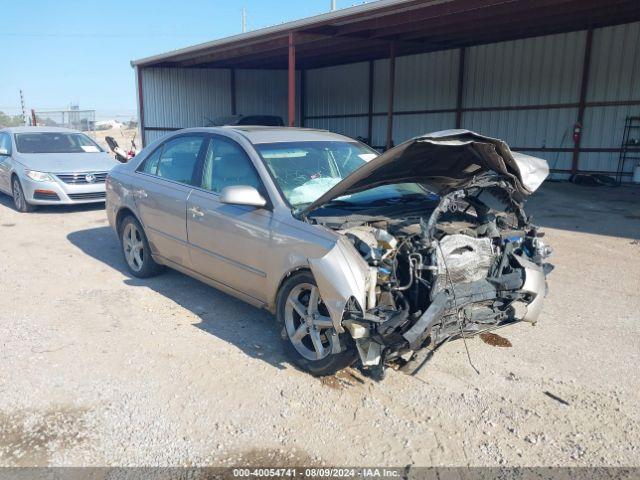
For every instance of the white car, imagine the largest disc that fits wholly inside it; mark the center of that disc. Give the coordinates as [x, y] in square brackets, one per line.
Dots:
[51, 166]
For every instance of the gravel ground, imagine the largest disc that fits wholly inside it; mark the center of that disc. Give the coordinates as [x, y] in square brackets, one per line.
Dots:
[98, 368]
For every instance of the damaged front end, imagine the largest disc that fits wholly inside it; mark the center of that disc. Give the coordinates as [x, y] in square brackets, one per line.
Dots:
[402, 285]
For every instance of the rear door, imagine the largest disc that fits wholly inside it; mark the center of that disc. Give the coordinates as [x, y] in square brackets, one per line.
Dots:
[5, 163]
[165, 180]
[229, 243]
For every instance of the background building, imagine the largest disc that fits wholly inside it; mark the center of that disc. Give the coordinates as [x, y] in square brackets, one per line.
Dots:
[558, 79]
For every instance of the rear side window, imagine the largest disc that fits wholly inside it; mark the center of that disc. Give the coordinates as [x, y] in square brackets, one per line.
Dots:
[176, 160]
[151, 163]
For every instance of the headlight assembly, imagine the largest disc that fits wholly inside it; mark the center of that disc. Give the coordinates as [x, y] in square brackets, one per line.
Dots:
[38, 176]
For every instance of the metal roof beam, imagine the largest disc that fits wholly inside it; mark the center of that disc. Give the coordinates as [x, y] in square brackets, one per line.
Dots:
[565, 15]
[428, 11]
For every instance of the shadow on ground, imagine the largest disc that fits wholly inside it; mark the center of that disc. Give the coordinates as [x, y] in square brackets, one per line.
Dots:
[7, 201]
[611, 211]
[252, 330]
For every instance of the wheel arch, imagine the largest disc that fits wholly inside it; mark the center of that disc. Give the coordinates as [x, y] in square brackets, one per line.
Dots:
[123, 212]
[288, 274]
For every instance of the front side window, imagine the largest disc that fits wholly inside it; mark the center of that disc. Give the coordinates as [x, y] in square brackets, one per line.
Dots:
[226, 164]
[55, 142]
[176, 160]
[305, 171]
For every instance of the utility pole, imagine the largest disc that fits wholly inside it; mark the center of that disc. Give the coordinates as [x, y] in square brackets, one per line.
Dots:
[333, 5]
[24, 111]
[244, 20]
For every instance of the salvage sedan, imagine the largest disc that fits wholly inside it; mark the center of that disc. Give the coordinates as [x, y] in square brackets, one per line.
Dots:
[363, 257]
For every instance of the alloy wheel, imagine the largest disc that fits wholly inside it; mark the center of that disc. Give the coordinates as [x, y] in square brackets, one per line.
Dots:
[133, 247]
[18, 196]
[308, 323]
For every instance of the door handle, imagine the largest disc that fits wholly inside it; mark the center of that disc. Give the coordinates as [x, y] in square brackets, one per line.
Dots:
[196, 212]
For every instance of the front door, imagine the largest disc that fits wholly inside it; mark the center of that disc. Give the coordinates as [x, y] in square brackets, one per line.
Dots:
[5, 163]
[229, 243]
[166, 179]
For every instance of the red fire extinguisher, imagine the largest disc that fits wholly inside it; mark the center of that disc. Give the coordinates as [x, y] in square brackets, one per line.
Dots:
[577, 131]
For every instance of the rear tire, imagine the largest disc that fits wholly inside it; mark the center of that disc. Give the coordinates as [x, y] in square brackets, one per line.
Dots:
[136, 251]
[19, 201]
[307, 328]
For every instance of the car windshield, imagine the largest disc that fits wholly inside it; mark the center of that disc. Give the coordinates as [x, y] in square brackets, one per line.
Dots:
[55, 142]
[305, 171]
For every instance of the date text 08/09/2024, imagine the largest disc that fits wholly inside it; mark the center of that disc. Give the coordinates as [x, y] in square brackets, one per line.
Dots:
[318, 472]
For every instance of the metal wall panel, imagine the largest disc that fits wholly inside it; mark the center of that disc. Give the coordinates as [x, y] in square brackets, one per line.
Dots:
[426, 82]
[381, 85]
[351, 127]
[604, 126]
[262, 92]
[409, 126]
[153, 135]
[379, 131]
[180, 97]
[525, 128]
[338, 90]
[531, 71]
[615, 64]
[603, 162]
[265, 92]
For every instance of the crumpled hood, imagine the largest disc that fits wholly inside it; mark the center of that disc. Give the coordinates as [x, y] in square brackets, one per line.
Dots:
[443, 162]
[67, 162]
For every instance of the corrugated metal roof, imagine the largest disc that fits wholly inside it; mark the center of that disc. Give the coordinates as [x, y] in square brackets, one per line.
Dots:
[364, 32]
[367, 10]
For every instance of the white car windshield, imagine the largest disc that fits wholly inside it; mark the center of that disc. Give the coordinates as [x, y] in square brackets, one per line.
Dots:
[55, 142]
[304, 171]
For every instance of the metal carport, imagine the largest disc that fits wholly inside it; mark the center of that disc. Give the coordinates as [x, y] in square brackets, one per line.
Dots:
[527, 71]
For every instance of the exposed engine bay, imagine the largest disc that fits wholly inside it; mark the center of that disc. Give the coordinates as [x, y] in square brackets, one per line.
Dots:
[473, 262]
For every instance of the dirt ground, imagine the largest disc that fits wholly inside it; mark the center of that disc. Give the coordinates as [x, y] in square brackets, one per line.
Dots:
[98, 368]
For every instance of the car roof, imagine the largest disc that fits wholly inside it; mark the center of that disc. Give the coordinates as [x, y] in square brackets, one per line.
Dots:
[39, 130]
[262, 134]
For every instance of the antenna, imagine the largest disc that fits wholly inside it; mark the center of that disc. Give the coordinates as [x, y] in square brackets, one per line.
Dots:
[244, 20]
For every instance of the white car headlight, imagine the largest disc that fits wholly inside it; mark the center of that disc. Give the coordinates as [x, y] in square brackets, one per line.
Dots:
[38, 176]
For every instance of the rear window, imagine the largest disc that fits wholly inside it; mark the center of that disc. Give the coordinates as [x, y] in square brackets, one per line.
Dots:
[50, 142]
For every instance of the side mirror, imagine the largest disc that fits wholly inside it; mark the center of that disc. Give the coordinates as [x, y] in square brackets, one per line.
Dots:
[4, 152]
[242, 195]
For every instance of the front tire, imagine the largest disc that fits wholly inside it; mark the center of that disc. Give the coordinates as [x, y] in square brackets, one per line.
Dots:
[19, 200]
[307, 328]
[136, 251]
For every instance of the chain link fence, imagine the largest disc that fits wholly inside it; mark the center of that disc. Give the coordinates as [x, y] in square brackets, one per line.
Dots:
[83, 120]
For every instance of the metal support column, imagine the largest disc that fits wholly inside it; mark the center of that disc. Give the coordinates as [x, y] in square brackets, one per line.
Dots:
[303, 92]
[141, 129]
[584, 84]
[292, 80]
[370, 111]
[392, 81]
[232, 83]
[459, 100]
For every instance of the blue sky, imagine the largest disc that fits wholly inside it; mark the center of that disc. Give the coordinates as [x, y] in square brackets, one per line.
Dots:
[78, 51]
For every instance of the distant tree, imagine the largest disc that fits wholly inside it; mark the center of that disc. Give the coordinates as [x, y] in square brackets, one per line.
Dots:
[10, 120]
